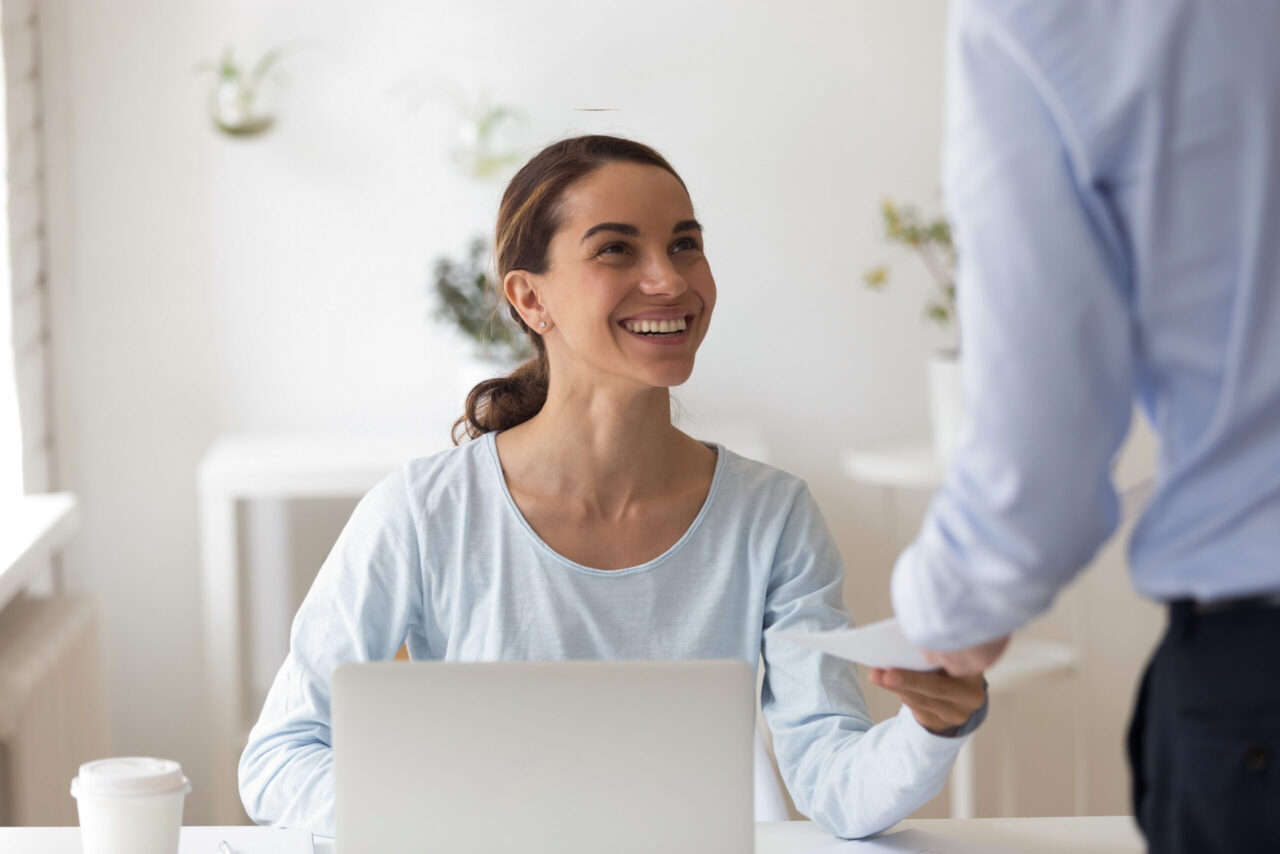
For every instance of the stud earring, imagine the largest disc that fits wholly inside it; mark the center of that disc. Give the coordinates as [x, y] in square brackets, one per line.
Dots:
[542, 325]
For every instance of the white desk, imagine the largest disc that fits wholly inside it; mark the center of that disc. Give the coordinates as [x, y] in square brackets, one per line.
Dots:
[1058, 835]
[1072, 835]
[280, 466]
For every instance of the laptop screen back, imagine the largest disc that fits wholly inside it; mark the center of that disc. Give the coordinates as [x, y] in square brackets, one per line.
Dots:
[534, 757]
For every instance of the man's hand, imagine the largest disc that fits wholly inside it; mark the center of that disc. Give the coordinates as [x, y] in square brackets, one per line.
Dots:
[969, 662]
[939, 702]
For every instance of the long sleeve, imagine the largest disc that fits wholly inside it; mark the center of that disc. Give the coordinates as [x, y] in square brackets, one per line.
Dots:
[1043, 290]
[366, 598]
[853, 778]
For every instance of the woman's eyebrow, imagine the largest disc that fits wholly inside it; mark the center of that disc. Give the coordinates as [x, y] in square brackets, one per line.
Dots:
[620, 227]
[632, 231]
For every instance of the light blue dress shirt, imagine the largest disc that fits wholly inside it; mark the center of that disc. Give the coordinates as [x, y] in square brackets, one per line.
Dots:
[439, 557]
[1113, 173]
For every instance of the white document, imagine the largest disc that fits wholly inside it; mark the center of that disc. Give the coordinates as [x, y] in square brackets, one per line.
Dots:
[911, 842]
[875, 645]
[245, 840]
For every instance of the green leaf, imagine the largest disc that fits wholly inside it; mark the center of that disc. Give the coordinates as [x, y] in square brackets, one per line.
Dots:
[268, 59]
[931, 241]
[940, 232]
[468, 300]
[876, 278]
[938, 313]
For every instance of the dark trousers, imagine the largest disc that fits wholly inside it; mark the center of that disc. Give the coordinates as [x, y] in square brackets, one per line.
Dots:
[1204, 745]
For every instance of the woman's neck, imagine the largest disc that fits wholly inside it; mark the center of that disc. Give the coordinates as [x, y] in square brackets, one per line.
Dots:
[604, 445]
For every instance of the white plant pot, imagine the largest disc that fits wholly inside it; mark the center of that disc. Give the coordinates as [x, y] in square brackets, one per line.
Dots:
[946, 404]
[240, 110]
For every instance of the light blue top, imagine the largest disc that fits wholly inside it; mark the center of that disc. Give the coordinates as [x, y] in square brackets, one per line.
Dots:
[1113, 173]
[438, 556]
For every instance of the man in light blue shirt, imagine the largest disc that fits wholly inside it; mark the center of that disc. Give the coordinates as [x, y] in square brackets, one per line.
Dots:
[1113, 172]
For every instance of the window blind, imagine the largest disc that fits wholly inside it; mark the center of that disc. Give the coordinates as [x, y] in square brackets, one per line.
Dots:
[28, 295]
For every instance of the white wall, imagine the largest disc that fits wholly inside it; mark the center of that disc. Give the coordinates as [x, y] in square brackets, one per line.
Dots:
[132, 291]
[326, 230]
[203, 284]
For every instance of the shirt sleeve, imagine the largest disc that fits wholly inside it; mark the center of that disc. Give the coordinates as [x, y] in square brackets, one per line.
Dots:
[365, 600]
[1043, 291]
[852, 778]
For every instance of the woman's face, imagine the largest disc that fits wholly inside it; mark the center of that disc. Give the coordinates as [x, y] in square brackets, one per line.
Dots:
[628, 292]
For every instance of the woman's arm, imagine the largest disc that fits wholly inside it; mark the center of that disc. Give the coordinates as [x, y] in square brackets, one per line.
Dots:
[853, 778]
[366, 598]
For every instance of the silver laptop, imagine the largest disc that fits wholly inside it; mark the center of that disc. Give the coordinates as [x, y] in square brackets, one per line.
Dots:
[583, 757]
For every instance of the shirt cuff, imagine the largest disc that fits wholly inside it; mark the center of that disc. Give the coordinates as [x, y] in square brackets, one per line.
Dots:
[939, 612]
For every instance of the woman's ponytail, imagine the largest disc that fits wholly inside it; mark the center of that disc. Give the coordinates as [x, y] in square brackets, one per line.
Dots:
[503, 402]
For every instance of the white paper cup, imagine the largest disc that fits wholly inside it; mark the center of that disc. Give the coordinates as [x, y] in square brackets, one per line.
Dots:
[130, 805]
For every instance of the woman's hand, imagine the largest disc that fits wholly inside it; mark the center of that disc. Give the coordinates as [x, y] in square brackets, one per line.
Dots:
[939, 702]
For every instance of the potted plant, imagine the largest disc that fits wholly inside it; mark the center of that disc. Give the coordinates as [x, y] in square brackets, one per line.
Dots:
[930, 241]
[487, 138]
[241, 103]
[468, 301]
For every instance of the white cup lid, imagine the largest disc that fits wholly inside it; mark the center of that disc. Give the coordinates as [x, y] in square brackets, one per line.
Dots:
[129, 775]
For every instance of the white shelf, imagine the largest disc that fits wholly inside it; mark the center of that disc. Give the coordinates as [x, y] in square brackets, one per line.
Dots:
[35, 527]
[913, 464]
[307, 465]
[897, 465]
[1028, 660]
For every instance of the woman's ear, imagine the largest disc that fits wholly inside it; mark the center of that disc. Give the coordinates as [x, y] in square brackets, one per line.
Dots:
[521, 289]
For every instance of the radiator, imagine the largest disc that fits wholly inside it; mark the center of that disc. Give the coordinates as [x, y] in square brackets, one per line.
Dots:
[52, 706]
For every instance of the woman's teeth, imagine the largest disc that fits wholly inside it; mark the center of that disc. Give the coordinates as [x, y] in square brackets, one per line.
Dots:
[656, 327]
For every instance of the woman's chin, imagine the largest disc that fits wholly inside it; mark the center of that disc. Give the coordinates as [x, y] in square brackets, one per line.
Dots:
[669, 376]
[650, 373]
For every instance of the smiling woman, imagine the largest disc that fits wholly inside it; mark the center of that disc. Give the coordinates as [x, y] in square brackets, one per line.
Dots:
[532, 212]
[581, 524]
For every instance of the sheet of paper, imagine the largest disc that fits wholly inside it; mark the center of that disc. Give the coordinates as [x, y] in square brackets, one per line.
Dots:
[911, 842]
[875, 645]
[245, 840]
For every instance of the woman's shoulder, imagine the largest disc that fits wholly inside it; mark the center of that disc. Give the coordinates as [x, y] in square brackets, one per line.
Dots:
[747, 480]
[441, 475]
[450, 460]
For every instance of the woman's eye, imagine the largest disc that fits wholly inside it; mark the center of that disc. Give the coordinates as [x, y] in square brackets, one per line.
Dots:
[612, 249]
[684, 243]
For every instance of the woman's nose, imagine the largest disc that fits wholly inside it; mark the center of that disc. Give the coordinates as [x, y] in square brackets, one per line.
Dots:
[663, 279]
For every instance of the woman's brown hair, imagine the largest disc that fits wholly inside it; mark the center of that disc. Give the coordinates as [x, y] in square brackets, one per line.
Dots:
[529, 216]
